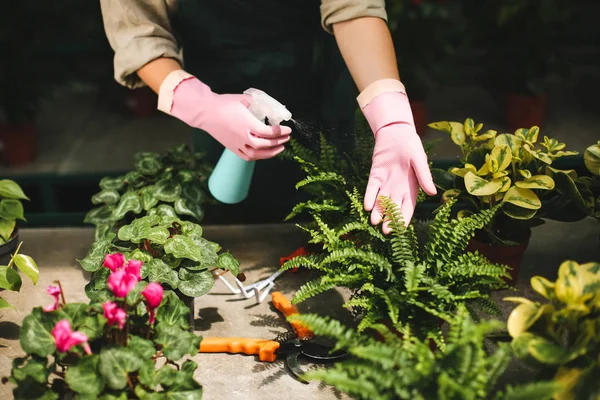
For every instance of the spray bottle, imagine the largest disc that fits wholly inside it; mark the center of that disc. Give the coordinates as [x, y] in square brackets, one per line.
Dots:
[230, 181]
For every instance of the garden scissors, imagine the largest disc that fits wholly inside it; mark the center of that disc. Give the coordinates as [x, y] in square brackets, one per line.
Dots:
[270, 350]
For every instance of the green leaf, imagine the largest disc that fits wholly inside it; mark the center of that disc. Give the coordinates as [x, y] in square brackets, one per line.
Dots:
[95, 256]
[106, 197]
[480, 187]
[195, 284]
[186, 207]
[9, 189]
[167, 190]
[183, 247]
[116, 363]
[130, 202]
[92, 326]
[30, 370]
[455, 129]
[513, 142]
[11, 209]
[591, 159]
[144, 348]
[191, 230]
[135, 294]
[144, 228]
[148, 164]
[27, 265]
[524, 198]
[172, 311]
[83, 377]
[227, 262]
[34, 337]
[147, 197]
[108, 183]
[7, 227]
[546, 352]
[100, 215]
[159, 271]
[542, 182]
[10, 279]
[165, 211]
[519, 213]
[500, 158]
[175, 342]
[5, 304]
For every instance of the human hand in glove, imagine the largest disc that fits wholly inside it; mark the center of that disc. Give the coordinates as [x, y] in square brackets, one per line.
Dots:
[224, 116]
[399, 166]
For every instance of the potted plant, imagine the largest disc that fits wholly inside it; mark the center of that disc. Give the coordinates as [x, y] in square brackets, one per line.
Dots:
[126, 346]
[405, 368]
[11, 209]
[583, 189]
[425, 39]
[522, 39]
[173, 183]
[506, 170]
[10, 278]
[560, 336]
[397, 280]
[173, 253]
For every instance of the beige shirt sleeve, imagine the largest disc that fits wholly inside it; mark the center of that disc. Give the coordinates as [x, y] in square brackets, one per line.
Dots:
[139, 31]
[334, 11]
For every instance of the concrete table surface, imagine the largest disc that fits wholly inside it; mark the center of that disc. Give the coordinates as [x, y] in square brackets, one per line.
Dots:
[220, 313]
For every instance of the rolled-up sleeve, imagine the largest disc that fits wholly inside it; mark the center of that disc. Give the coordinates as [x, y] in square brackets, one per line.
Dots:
[334, 11]
[138, 31]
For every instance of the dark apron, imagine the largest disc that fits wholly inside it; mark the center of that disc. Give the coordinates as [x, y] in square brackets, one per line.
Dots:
[277, 46]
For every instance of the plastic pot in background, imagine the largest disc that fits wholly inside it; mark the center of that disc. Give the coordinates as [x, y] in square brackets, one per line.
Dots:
[18, 143]
[523, 111]
[419, 110]
[511, 256]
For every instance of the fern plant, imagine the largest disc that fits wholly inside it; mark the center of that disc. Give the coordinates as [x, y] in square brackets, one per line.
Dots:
[403, 367]
[395, 279]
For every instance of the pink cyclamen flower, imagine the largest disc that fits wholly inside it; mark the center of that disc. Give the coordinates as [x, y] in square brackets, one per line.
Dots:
[65, 338]
[133, 267]
[114, 314]
[121, 283]
[114, 261]
[55, 292]
[153, 293]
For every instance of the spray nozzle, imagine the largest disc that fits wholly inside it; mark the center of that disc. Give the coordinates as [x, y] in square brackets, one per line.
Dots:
[264, 106]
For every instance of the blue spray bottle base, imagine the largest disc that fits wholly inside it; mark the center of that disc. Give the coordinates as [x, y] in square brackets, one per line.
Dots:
[230, 180]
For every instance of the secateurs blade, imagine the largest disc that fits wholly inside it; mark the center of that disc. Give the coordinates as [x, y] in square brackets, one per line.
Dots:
[302, 344]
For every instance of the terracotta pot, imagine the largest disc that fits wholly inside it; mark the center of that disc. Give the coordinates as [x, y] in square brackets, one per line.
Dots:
[524, 111]
[419, 110]
[141, 102]
[19, 144]
[502, 254]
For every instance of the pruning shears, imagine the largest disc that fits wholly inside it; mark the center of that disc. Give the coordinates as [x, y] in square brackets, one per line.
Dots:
[301, 344]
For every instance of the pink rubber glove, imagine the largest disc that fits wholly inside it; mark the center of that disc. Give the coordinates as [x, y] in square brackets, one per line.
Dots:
[399, 164]
[224, 116]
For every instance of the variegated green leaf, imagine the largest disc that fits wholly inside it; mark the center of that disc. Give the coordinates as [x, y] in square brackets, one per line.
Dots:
[462, 171]
[455, 129]
[591, 158]
[568, 286]
[506, 182]
[480, 187]
[522, 317]
[469, 127]
[513, 142]
[487, 135]
[543, 286]
[550, 171]
[500, 174]
[524, 198]
[449, 194]
[525, 173]
[542, 182]
[499, 158]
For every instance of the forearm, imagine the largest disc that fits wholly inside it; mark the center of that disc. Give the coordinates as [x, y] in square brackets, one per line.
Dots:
[155, 72]
[367, 48]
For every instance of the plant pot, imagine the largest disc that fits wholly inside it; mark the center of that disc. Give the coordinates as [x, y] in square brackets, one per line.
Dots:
[18, 143]
[189, 302]
[9, 247]
[524, 111]
[419, 111]
[502, 254]
[141, 102]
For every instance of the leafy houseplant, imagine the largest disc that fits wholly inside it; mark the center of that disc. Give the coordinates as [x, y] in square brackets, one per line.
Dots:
[173, 183]
[562, 335]
[126, 346]
[510, 170]
[173, 251]
[584, 190]
[11, 280]
[11, 209]
[424, 39]
[395, 278]
[405, 368]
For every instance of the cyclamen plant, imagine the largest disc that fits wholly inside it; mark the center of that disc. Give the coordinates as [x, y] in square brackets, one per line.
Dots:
[109, 349]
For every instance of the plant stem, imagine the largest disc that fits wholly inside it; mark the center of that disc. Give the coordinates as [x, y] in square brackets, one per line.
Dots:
[130, 384]
[14, 254]
[62, 293]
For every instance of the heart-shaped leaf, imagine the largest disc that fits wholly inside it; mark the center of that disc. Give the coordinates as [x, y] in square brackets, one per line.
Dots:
[100, 215]
[148, 164]
[106, 197]
[147, 197]
[5, 304]
[95, 256]
[227, 262]
[183, 247]
[9, 189]
[7, 227]
[10, 279]
[195, 284]
[108, 183]
[159, 271]
[27, 266]
[11, 209]
[130, 202]
[167, 190]
[116, 363]
[83, 377]
[35, 338]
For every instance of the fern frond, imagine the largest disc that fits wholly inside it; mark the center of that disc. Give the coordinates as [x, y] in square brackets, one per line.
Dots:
[496, 364]
[312, 261]
[322, 177]
[488, 306]
[312, 206]
[311, 289]
[534, 390]
[343, 381]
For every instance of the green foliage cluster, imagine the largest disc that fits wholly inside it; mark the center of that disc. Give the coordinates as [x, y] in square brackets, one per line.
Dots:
[137, 362]
[173, 183]
[402, 366]
[11, 280]
[11, 208]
